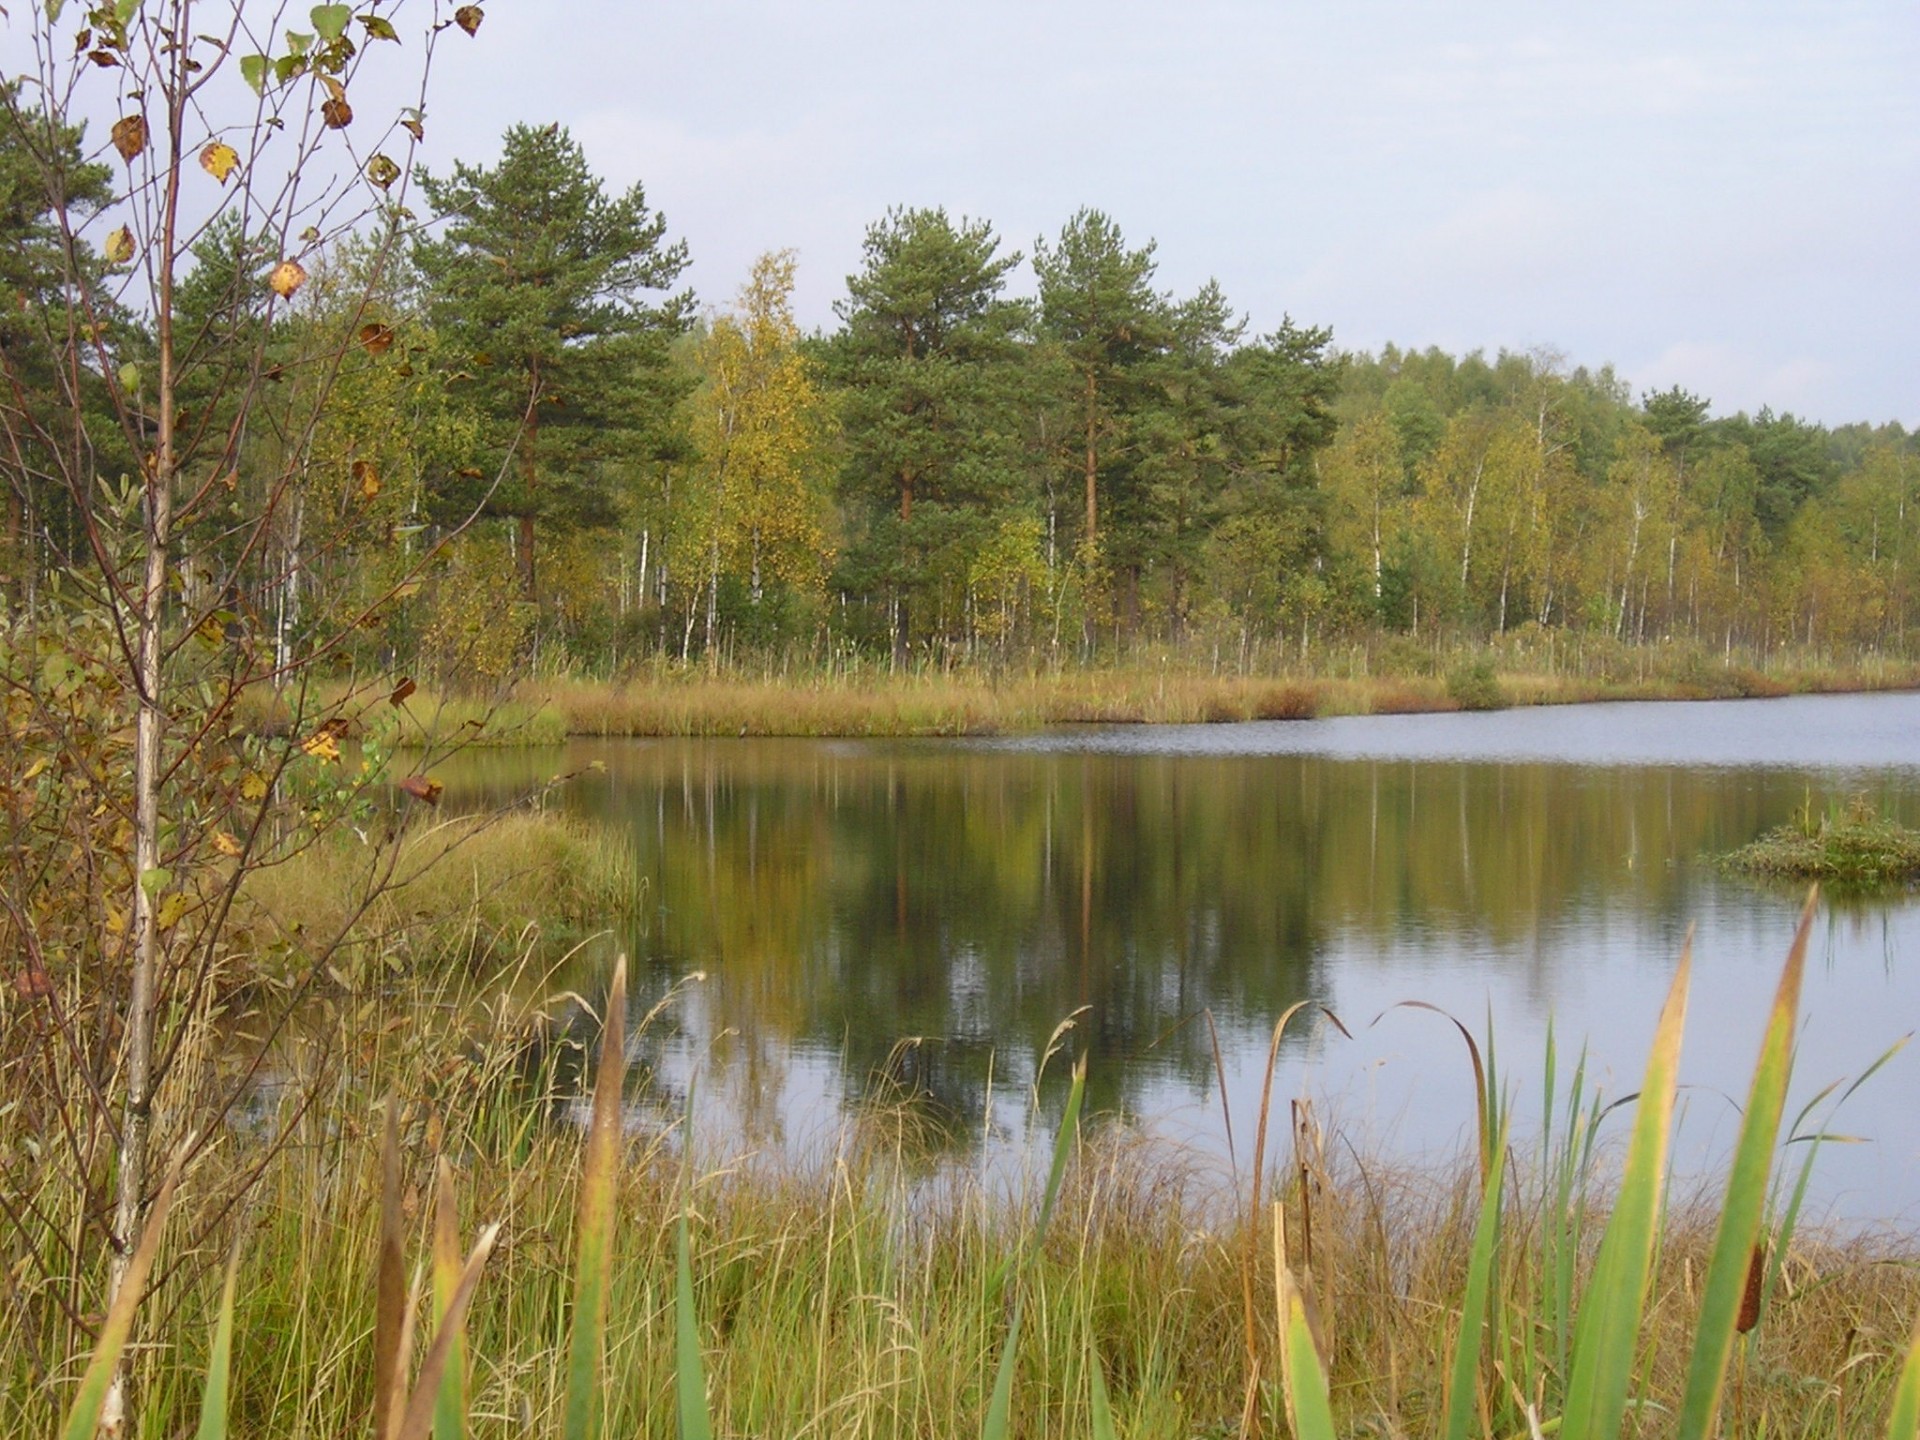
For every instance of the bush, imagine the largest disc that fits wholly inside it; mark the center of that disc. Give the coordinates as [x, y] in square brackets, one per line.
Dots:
[1474, 685]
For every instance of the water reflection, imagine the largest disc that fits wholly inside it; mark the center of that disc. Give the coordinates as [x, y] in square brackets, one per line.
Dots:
[929, 912]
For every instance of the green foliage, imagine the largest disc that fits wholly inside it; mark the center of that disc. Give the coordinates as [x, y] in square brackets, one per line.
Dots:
[1474, 684]
[534, 285]
[1854, 849]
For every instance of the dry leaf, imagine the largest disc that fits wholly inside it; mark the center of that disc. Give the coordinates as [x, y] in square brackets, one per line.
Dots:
[287, 277]
[468, 18]
[401, 691]
[378, 338]
[422, 789]
[130, 136]
[382, 171]
[368, 479]
[337, 113]
[119, 247]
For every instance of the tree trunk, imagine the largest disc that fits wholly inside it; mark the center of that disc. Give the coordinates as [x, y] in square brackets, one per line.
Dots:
[1092, 466]
[136, 1126]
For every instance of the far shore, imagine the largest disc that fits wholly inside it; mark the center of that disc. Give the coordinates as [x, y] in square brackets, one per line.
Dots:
[670, 702]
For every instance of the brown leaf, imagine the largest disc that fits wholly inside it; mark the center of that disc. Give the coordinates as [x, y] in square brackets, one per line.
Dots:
[287, 277]
[103, 57]
[337, 113]
[401, 691]
[414, 128]
[130, 136]
[378, 338]
[368, 478]
[468, 18]
[33, 983]
[422, 789]
[219, 159]
[470, 472]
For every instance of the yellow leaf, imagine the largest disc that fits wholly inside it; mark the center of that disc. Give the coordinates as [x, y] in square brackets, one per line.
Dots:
[119, 248]
[226, 844]
[219, 160]
[254, 787]
[287, 277]
[322, 745]
[171, 909]
[382, 171]
[368, 477]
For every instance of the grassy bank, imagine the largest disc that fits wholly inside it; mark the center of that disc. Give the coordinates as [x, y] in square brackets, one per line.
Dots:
[871, 1290]
[669, 702]
[865, 700]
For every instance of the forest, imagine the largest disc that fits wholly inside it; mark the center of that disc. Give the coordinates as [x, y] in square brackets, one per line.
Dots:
[536, 453]
[317, 447]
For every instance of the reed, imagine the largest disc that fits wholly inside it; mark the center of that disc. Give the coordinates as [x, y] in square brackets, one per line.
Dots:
[637, 1284]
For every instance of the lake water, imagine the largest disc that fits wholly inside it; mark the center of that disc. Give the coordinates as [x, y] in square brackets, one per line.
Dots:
[930, 911]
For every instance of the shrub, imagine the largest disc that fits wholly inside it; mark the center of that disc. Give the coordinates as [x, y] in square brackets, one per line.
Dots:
[1474, 685]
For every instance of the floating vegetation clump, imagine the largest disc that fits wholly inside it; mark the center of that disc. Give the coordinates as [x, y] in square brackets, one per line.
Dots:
[1857, 848]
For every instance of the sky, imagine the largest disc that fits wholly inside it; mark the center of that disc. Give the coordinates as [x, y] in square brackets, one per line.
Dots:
[1720, 196]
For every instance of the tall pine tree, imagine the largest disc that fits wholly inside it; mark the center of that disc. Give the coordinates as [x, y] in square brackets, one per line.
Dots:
[535, 282]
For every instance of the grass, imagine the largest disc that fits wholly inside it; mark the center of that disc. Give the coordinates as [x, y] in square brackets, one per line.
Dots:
[469, 891]
[860, 1292]
[669, 701]
[1854, 849]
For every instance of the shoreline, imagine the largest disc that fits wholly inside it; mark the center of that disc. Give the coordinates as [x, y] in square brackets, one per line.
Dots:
[963, 705]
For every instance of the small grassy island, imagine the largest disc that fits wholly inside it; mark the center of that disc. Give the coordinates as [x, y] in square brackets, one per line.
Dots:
[1859, 849]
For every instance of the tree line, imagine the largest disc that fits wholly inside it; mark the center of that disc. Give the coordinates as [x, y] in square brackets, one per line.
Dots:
[990, 456]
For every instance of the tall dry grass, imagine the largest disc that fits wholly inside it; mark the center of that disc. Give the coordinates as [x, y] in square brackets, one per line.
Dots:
[871, 1289]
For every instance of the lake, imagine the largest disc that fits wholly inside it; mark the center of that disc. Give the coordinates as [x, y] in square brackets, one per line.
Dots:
[923, 914]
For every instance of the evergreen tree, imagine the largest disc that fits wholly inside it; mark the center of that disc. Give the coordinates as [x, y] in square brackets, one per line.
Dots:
[928, 365]
[47, 192]
[535, 284]
[1097, 301]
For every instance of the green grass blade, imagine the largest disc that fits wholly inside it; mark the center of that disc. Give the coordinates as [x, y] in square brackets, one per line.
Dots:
[594, 1232]
[1903, 1420]
[1473, 1303]
[1303, 1375]
[1607, 1331]
[999, 1407]
[1062, 1148]
[689, 1365]
[1743, 1211]
[689, 1368]
[83, 1419]
[450, 1414]
[1099, 1407]
[213, 1399]
[1000, 1404]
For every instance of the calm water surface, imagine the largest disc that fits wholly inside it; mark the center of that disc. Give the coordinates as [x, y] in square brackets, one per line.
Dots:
[931, 910]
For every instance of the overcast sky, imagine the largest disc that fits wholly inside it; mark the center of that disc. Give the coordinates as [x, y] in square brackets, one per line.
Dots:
[1716, 195]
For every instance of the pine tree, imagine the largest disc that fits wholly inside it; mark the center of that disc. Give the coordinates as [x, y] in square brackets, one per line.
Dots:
[535, 284]
[928, 365]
